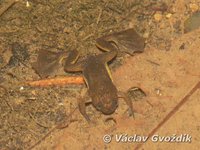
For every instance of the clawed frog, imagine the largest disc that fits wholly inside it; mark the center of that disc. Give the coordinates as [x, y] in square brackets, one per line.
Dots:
[101, 89]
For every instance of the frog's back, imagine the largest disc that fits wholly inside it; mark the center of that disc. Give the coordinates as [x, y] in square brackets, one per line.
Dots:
[100, 86]
[96, 73]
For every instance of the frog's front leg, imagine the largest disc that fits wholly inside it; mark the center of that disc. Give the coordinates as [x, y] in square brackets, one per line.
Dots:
[128, 101]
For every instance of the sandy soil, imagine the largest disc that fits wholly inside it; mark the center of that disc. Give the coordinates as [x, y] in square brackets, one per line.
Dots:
[167, 71]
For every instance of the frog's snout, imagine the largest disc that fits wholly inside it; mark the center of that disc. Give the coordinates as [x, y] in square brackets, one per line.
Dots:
[109, 108]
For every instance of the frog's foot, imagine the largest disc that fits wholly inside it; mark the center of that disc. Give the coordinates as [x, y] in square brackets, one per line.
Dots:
[48, 63]
[128, 102]
[82, 108]
[128, 41]
[136, 93]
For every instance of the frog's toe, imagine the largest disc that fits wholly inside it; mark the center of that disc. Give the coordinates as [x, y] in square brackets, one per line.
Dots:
[86, 117]
[131, 113]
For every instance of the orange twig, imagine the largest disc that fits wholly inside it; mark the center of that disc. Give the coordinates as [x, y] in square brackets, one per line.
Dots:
[59, 81]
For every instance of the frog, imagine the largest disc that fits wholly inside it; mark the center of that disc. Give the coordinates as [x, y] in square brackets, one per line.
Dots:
[97, 75]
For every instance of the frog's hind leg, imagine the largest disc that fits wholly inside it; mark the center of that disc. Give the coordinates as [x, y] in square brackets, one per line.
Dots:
[108, 56]
[105, 45]
[70, 63]
[127, 41]
[128, 102]
[82, 108]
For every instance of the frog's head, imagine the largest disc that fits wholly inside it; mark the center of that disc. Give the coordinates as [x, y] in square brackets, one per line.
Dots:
[107, 106]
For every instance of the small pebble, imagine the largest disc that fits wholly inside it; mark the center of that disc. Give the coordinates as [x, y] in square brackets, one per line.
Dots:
[168, 15]
[27, 4]
[66, 30]
[19, 101]
[158, 92]
[21, 88]
[146, 35]
[158, 17]
[194, 7]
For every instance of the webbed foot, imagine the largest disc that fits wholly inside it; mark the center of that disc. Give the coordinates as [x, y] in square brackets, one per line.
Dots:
[128, 41]
[128, 102]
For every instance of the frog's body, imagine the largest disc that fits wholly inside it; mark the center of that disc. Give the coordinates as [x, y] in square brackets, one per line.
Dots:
[101, 89]
[97, 76]
[100, 86]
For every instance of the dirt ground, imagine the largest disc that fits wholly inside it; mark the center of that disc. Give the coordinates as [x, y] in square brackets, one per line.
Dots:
[167, 71]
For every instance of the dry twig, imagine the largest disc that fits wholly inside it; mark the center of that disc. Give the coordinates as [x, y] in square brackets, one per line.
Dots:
[59, 81]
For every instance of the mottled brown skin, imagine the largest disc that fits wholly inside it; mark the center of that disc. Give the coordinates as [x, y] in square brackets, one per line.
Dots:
[97, 76]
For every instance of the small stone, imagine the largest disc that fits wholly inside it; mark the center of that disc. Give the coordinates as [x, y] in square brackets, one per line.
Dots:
[162, 25]
[146, 35]
[158, 92]
[33, 92]
[194, 7]
[157, 17]
[19, 101]
[27, 4]
[21, 88]
[168, 15]
[66, 30]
